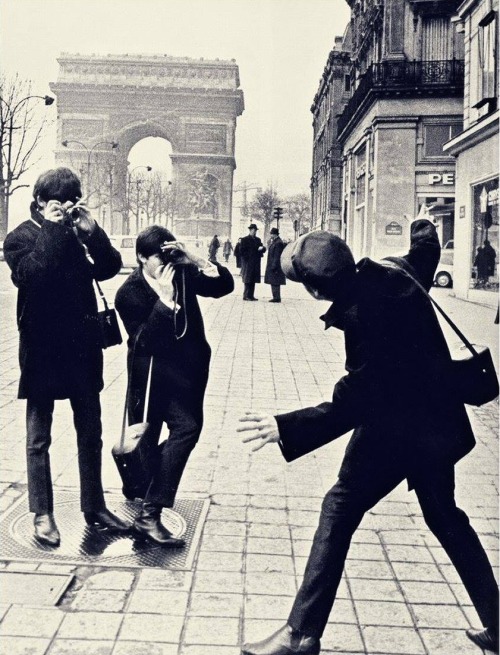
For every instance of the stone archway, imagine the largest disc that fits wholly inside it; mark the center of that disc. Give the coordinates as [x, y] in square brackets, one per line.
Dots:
[123, 99]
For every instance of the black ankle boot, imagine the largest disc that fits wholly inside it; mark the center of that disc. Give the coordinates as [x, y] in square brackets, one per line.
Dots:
[103, 519]
[46, 531]
[485, 639]
[148, 525]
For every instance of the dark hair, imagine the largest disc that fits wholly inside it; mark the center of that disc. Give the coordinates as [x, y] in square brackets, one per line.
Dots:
[150, 240]
[58, 184]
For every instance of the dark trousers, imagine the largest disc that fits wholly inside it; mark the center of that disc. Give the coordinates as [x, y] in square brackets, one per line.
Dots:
[184, 418]
[249, 290]
[342, 510]
[87, 422]
[276, 291]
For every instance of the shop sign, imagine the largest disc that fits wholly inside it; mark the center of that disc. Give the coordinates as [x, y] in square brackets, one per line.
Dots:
[446, 179]
[394, 228]
[461, 212]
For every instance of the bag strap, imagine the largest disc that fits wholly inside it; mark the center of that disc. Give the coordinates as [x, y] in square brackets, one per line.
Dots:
[101, 294]
[127, 395]
[394, 266]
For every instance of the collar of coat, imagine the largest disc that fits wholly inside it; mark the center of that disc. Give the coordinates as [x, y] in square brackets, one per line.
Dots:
[373, 281]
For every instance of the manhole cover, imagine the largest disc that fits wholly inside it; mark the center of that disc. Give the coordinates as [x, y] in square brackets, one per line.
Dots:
[33, 589]
[82, 545]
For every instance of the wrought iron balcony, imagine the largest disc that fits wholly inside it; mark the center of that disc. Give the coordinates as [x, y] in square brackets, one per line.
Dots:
[394, 79]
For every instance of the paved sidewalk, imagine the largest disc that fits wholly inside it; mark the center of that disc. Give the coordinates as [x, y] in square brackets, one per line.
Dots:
[399, 595]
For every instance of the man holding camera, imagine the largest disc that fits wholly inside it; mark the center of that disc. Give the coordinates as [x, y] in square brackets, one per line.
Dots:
[408, 424]
[54, 257]
[159, 307]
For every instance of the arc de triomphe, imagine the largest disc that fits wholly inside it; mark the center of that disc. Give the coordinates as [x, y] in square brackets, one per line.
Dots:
[121, 99]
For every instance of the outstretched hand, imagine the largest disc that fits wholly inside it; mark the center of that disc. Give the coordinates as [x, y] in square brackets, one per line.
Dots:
[264, 428]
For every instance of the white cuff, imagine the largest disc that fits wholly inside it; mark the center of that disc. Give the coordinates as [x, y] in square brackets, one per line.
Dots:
[171, 305]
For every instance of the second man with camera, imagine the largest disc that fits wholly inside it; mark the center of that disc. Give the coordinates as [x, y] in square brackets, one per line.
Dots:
[159, 308]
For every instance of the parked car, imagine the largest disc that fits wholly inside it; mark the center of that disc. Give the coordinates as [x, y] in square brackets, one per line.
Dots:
[444, 271]
[125, 244]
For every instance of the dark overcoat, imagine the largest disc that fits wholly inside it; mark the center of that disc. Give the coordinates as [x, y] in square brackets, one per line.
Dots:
[397, 394]
[175, 340]
[274, 275]
[250, 259]
[59, 341]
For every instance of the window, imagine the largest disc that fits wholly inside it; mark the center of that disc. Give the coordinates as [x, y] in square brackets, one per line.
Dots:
[486, 59]
[435, 136]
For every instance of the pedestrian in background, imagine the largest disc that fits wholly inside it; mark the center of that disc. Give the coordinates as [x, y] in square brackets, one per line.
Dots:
[227, 249]
[251, 252]
[408, 424]
[59, 340]
[237, 254]
[213, 248]
[274, 275]
[159, 307]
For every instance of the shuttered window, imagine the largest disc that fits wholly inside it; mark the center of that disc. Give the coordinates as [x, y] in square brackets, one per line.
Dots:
[436, 38]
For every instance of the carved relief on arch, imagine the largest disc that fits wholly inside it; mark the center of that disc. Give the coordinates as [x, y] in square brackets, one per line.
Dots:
[203, 191]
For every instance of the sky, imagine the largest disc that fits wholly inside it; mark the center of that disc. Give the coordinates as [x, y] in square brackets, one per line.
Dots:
[280, 46]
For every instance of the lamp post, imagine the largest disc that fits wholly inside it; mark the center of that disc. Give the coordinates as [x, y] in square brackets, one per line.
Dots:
[89, 152]
[138, 183]
[7, 180]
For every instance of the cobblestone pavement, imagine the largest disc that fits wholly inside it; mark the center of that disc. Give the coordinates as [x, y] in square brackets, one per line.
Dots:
[399, 595]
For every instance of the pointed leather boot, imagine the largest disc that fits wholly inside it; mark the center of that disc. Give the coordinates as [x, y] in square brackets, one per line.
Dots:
[284, 642]
[485, 639]
[46, 531]
[103, 519]
[148, 525]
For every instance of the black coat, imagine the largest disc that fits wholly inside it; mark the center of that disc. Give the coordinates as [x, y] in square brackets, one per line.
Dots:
[250, 259]
[274, 275]
[397, 393]
[180, 365]
[59, 349]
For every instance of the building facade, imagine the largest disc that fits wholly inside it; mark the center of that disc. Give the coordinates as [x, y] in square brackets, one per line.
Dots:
[475, 271]
[406, 79]
[326, 179]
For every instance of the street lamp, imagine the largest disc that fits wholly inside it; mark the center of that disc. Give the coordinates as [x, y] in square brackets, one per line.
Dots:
[7, 181]
[138, 183]
[89, 152]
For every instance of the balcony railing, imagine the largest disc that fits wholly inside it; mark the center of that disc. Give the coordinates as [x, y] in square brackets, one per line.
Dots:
[408, 78]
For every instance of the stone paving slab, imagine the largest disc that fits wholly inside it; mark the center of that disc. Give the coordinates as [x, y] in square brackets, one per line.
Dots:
[399, 594]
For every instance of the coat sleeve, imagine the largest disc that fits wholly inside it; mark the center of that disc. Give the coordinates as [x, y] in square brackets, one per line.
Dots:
[424, 252]
[151, 329]
[213, 287]
[107, 260]
[305, 430]
[36, 260]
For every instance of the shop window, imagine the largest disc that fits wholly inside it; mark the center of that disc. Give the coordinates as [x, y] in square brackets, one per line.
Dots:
[435, 136]
[485, 235]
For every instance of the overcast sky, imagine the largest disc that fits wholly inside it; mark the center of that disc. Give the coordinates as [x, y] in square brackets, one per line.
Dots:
[281, 47]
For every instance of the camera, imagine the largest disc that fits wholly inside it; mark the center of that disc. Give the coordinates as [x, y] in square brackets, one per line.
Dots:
[70, 216]
[171, 256]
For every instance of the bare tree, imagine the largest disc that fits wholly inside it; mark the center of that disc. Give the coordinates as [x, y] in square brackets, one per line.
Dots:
[298, 210]
[21, 130]
[261, 207]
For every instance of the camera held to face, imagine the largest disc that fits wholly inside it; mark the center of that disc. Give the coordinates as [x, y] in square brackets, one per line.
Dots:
[71, 216]
[170, 255]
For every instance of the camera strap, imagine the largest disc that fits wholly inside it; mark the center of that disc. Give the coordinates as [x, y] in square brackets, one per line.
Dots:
[183, 306]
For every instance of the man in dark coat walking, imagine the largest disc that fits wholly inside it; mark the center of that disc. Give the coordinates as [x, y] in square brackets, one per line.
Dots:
[408, 424]
[159, 308]
[54, 258]
[251, 252]
[274, 275]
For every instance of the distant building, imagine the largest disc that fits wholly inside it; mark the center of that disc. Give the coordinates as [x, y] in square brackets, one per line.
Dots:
[476, 151]
[326, 180]
[399, 104]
